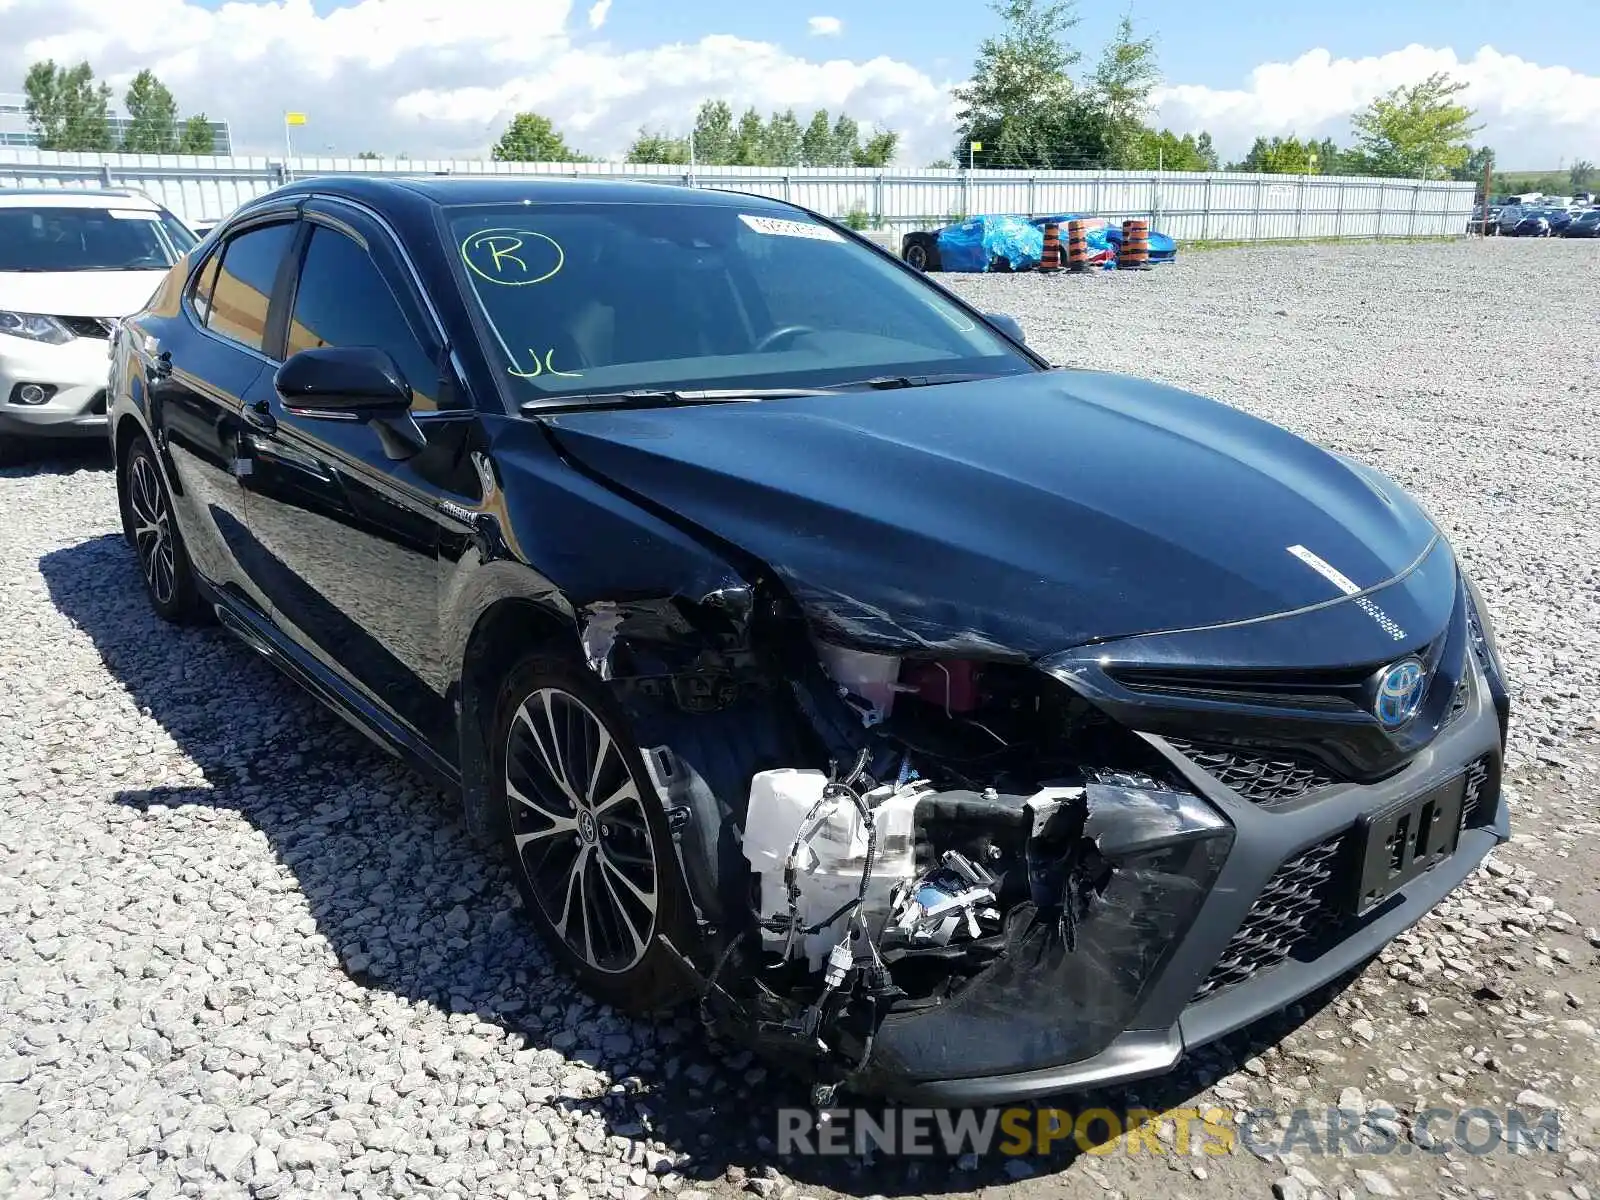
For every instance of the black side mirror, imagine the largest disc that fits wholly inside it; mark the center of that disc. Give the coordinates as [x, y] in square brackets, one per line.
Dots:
[353, 382]
[1008, 325]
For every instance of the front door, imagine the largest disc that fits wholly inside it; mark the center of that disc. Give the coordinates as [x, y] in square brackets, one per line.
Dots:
[351, 533]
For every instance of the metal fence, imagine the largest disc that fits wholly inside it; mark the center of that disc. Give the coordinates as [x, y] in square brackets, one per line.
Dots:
[1216, 206]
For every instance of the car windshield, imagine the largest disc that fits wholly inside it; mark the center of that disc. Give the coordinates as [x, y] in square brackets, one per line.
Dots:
[90, 239]
[599, 298]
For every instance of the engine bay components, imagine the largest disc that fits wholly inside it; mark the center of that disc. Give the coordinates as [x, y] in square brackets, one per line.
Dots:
[958, 894]
[822, 852]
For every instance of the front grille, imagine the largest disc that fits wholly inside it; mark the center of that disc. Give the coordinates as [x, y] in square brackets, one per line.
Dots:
[1294, 913]
[88, 327]
[1261, 778]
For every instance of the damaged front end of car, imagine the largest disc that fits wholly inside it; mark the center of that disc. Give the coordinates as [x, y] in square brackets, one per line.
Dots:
[905, 867]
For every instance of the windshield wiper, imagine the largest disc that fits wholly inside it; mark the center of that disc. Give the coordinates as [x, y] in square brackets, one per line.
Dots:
[659, 396]
[885, 383]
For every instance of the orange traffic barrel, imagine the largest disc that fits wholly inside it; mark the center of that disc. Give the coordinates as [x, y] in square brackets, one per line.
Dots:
[1050, 258]
[1077, 247]
[1135, 252]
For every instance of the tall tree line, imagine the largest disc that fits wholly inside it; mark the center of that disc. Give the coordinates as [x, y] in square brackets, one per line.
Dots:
[778, 140]
[70, 109]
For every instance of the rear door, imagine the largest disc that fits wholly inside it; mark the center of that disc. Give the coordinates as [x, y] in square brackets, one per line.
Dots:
[351, 534]
[215, 361]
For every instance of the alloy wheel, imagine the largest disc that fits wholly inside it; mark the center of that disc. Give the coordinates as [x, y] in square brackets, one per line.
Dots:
[152, 529]
[579, 826]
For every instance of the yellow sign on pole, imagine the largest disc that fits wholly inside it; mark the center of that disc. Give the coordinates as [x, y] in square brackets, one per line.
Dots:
[294, 118]
[976, 146]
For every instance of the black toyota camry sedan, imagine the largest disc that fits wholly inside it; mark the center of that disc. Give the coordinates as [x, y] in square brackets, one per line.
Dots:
[942, 723]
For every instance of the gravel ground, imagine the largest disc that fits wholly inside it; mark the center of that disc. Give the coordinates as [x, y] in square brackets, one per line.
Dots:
[242, 953]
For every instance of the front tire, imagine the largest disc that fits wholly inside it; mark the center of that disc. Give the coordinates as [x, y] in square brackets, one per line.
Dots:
[916, 254]
[587, 838]
[163, 561]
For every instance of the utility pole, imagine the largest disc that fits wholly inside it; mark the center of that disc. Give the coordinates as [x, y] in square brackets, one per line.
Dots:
[1488, 169]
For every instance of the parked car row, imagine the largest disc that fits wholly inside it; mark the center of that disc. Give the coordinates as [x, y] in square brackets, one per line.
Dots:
[947, 723]
[1546, 220]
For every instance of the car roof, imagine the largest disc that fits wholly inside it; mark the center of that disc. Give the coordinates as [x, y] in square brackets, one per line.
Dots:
[76, 198]
[406, 190]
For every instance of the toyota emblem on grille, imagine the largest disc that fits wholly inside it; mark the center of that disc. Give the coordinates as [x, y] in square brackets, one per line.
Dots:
[1399, 693]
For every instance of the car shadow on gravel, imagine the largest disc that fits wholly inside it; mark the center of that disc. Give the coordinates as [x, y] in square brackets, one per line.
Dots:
[59, 456]
[350, 823]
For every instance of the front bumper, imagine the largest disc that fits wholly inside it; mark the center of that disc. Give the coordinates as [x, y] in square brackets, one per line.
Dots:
[1185, 1006]
[78, 372]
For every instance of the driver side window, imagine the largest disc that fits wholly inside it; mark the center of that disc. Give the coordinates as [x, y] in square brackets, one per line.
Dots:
[343, 300]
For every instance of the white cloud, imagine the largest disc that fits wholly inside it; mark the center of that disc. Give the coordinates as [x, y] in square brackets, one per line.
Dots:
[1534, 116]
[440, 78]
[825, 26]
[598, 13]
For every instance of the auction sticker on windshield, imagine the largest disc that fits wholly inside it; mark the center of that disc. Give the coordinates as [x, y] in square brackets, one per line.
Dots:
[776, 227]
[130, 214]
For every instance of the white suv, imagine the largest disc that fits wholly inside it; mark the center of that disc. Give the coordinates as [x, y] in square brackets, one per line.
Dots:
[72, 263]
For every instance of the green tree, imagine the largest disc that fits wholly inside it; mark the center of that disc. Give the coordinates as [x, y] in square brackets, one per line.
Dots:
[816, 144]
[879, 149]
[152, 116]
[67, 108]
[749, 140]
[532, 138]
[1166, 151]
[782, 140]
[196, 136]
[651, 147]
[1017, 102]
[1470, 170]
[1415, 131]
[1581, 173]
[1123, 81]
[1207, 152]
[713, 134]
[1330, 158]
[370, 156]
[1279, 156]
[846, 140]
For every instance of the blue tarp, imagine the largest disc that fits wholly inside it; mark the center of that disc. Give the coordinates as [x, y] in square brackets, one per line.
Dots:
[977, 244]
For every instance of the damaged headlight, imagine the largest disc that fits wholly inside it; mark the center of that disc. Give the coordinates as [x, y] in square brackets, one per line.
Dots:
[1118, 870]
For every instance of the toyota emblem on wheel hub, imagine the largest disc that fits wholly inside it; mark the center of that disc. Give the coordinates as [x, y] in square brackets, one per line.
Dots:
[1400, 691]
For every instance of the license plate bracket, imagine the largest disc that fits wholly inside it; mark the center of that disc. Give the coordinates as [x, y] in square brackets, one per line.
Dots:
[1406, 840]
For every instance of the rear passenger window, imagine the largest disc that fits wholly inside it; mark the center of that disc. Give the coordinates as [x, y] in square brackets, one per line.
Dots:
[243, 287]
[344, 300]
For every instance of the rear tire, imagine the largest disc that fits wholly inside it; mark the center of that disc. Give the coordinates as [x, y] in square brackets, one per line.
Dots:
[163, 561]
[587, 838]
[916, 254]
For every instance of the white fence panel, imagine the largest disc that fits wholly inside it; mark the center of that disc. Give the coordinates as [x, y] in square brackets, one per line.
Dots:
[1216, 206]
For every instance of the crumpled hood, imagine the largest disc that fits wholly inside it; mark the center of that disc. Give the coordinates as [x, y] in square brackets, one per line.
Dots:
[1024, 514]
[78, 293]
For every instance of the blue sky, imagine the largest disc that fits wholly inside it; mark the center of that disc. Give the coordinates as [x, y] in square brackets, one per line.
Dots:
[1213, 42]
[439, 78]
